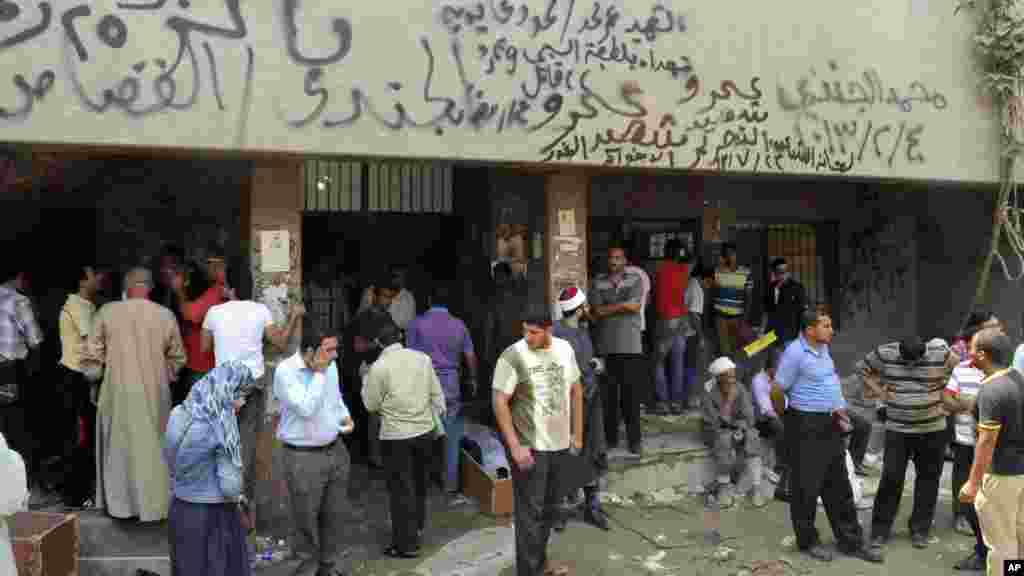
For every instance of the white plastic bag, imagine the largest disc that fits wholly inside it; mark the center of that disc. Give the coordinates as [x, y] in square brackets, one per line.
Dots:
[855, 482]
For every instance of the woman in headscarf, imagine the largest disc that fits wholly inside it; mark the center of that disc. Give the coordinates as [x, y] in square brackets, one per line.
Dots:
[728, 419]
[208, 521]
[13, 497]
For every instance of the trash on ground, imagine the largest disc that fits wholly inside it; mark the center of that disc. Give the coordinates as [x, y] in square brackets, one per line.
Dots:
[265, 551]
[723, 554]
[789, 541]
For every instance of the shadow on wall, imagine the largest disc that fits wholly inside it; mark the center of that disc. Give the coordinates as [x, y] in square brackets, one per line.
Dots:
[876, 266]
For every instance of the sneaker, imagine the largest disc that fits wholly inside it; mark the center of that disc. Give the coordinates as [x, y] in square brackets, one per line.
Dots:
[725, 496]
[660, 409]
[756, 498]
[919, 541]
[711, 501]
[972, 563]
[456, 500]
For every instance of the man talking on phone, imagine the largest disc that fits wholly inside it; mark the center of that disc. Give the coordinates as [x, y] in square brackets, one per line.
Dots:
[313, 415]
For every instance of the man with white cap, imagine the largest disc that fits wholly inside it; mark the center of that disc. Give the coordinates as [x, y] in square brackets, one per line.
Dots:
[584, 469]
[728, 419]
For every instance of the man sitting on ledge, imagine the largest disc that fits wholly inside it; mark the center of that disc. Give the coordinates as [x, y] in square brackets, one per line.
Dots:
[728, 420]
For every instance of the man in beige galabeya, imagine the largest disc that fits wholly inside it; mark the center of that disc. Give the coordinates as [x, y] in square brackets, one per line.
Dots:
[136, 346]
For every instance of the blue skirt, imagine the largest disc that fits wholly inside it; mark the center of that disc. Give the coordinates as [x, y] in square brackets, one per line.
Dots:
[207, 540]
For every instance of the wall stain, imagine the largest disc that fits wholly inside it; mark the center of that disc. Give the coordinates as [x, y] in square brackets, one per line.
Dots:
[876, 267]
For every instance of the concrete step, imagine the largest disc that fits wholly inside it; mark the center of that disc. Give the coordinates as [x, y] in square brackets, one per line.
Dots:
[110, 547]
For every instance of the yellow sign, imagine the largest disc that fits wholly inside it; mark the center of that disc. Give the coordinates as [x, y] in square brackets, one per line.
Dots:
[760, 344]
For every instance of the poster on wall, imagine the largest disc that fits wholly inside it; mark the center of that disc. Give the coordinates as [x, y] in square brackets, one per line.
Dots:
[569, 266]
[567, 222]
[275, 253]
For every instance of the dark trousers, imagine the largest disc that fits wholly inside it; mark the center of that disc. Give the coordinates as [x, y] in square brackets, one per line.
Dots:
[928, 454]
[407, 463]
[79, 438]
[774, 428]
[817, 459]
[316, 484]
[14, 423]
[963, 459]
[537, 492]
[358, 442]
[623, 388]
[859, 438]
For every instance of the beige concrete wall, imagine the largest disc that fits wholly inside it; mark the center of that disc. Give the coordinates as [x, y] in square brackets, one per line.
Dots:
[275, 201]
[567, 191]
[719, 85]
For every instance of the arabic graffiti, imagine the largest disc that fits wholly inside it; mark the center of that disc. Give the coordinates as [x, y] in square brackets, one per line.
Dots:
[729, 132]
[816, 98]
[149, 85]
[548, 55]
[550, 68]
[861, 95]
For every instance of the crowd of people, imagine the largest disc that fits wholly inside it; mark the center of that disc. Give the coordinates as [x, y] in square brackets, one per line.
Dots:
[166, 392]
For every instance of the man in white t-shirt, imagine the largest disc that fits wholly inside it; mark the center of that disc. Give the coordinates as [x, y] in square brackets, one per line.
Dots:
[538, 403]
[960, 398]
[236, 331]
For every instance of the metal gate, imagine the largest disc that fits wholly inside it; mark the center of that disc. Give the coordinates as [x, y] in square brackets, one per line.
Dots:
[402, 187]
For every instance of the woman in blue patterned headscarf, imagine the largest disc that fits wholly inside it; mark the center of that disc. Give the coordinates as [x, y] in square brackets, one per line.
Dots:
[203, 452]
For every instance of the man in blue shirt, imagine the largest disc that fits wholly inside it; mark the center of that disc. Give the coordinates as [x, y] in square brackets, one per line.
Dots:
[817, 455]
[313, 415]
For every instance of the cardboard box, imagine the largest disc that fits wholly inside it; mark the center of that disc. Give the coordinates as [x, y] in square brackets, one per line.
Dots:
[493, 495]
[46, 544]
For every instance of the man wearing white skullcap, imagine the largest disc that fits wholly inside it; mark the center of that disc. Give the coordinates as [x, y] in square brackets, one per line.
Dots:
[592, 462]
[728, 419]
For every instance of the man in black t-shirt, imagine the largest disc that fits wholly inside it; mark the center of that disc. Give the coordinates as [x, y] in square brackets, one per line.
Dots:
[996, 484]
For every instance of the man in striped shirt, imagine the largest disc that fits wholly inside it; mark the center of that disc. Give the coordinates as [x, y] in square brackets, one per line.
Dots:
[909, 376]
[734, 286]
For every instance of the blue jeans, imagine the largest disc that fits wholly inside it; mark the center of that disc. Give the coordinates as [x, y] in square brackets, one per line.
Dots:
[454, 428]
[671, 378]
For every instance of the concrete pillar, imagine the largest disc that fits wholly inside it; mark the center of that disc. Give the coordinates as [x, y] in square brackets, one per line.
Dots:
[275, 202]
[566, 239]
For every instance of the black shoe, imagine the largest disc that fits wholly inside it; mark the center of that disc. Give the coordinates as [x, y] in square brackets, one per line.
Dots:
[594, 516]
[637, 449]
[561, 521]
[919, 541]
[972, 563]
[871, 554]
[782, 495]
[819, 552]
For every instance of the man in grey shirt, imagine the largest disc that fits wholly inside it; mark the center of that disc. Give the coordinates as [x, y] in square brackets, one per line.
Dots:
[617, 299]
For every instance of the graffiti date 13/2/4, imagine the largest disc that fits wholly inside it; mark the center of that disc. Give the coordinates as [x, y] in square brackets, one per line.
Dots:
[884, 140]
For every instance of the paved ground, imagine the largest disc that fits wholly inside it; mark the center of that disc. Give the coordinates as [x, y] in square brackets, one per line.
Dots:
[669, 539]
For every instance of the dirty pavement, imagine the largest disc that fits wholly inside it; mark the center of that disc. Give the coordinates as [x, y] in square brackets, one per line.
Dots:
[659, 532]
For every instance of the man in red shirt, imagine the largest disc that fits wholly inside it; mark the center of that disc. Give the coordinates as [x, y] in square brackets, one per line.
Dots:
[671, 330]
[193, 313]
